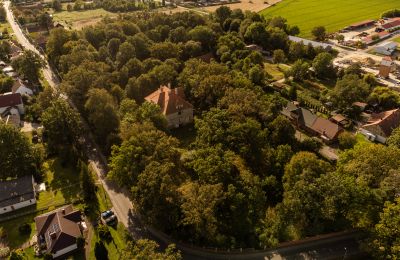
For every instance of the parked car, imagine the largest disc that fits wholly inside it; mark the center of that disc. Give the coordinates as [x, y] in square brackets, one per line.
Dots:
[108, 217]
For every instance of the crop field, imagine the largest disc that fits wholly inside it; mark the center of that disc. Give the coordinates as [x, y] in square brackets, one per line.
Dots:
[333, 14]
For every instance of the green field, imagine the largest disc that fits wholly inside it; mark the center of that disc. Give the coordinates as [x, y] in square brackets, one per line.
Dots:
[333, 14]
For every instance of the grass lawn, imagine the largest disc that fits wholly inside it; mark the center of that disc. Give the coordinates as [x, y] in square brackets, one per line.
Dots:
[396, 39]
[79, 19]
[276, 71]
[115, 246]
[333, 14]
[13, 237]
[62, 185]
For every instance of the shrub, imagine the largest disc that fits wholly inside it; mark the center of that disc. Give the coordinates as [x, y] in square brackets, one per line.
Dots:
[25, 229]
[346, 140]
[104, 232]
[4, 252]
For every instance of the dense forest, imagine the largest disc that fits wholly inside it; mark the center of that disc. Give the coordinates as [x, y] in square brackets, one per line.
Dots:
[243, 180]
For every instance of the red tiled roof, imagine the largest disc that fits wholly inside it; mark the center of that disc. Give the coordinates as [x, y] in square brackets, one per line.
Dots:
[363, 23]
[10, 100]
[383, 123]
[393, 23]
[169, 100]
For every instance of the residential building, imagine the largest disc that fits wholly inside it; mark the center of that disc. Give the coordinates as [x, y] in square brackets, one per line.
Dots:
[313, 43]
[380, 125]
[57, 231]
[11, 101]
[21, 88]
[386, 48]
[17, 193]
[306, 120]
[173, 105]
[386, 67]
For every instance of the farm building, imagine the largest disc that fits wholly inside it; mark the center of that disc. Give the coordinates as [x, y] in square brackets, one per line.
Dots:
[392, 25]
[386, 48]
[360, 25]
[307, 42]
[376, 37]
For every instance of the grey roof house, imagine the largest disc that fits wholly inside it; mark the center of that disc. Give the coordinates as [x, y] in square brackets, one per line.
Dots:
[17, 193]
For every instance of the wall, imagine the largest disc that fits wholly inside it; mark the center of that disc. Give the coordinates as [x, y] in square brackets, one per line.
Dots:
[186, 117]
[17, 206]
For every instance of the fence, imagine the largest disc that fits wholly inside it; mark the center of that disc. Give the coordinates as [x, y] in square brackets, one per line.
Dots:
[21, 213]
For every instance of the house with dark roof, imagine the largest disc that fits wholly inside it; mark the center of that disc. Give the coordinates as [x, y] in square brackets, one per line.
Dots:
[381, 125]
[57, 231]
[173, 105]
[306, 120]
[11, 101]
[17, 193]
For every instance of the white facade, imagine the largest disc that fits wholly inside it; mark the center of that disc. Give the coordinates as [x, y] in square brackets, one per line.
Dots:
[17, 206]
[65, 250]
[20, 107]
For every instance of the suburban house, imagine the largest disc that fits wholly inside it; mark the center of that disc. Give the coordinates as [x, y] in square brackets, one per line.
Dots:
[306, 120]
[386, 66]
[57, 231]
[17, 193]
[173, 105]
[7, 102]
[380, 125]
[386, 48]
[313, 43]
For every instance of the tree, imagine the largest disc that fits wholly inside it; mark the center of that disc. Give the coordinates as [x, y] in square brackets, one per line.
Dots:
[385, 243]
[204, 35]
[346, 140]
[149, 249]
[323, 65]
[3, 14]
[87, 183]
[100, 251]
[279, 56]
[29, 65]
[394, 138]
[102, 114]
[282, 131]
[56, 5]
[299, 71]
[319, 33]
[256, 33]
[17, 156]
[222, 13]
[385, 97]
[62, 126]
[69, 8]
[348, 90]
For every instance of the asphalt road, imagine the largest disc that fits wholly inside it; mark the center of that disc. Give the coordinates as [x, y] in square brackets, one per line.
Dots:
[337, 247]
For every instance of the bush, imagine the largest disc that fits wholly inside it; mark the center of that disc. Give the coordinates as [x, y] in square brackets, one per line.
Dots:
[104, 232]
[100, 251]
[25, 229]
[80, 241]
[346, 140]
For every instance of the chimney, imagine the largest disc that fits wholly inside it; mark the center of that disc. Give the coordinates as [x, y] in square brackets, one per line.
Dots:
[53, 235]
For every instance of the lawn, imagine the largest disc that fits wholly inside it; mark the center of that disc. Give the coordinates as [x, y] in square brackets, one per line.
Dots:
[13, 237]
[80, 19]
[274, 70]
[333, 14]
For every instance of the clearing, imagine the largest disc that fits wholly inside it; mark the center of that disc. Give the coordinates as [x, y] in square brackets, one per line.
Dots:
[245, 5]
[79, 19]
[333, 14]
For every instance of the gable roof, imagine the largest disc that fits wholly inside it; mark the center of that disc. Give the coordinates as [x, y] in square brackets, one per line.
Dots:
[326, 128]
[303, 116]
[383, 123]
[307, 42]
[10, 100]
[169, 100]
[58, 229]
[16, 190]
[393, 23]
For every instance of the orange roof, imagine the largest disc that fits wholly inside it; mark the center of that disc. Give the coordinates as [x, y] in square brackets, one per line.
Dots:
[169, 100]
[384, 123]
[326, 128]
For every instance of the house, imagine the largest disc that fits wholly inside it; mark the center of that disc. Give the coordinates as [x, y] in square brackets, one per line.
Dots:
[173, 105]
[392, 25]
[313, 43]
[340, 120]
[360, 106]
[17, 193]
[380, 125]
[57, 231]
[306, 120]
[21, 88]
[386, 48]
[11, 101]
[11, 116]
[385, 67]
[360, 25]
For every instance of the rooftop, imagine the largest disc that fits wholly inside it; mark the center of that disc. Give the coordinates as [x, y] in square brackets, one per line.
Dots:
[16, 190]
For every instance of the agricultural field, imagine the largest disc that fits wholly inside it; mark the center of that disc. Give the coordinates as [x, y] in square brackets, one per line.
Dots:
[333, 14]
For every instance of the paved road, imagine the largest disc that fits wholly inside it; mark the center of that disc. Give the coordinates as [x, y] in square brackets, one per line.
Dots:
[320, 248]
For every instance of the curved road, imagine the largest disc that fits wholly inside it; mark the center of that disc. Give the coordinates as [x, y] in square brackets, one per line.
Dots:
[327, 247]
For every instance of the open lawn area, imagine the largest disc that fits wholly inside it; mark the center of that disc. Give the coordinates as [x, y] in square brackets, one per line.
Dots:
[79, 19]
[333, 14]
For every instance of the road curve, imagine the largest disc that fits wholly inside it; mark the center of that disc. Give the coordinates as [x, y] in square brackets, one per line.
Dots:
[321, 248]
